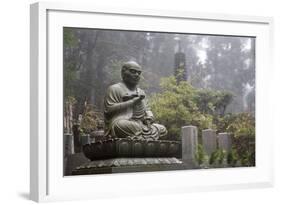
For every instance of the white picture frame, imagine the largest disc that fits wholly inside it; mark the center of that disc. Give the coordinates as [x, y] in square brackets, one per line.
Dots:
[47, 182]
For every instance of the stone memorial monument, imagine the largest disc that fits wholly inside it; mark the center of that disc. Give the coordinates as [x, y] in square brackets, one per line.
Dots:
[132, 140]
[126, 110]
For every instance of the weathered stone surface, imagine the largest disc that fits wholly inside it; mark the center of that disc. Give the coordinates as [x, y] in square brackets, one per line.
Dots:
[119, 165]
[72, 161]
[126, 109]
[68, 144]
[85, 139]
[97, 135]
[209, 141]
[224, 141]
[189, 143]
[126, 147]
[138, 149]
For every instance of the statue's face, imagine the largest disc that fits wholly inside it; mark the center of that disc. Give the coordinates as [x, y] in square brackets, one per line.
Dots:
[131, 76]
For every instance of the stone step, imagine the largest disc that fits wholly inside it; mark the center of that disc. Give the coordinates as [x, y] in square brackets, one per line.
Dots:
[73, 161]
[123, 165]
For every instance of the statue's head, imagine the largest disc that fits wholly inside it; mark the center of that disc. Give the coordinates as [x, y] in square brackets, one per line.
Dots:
[131, 73]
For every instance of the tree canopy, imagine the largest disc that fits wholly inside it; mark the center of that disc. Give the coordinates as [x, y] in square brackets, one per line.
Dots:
[93, 59]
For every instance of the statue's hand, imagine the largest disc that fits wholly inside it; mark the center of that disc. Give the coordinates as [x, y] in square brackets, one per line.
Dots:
[150, 118]
[148, 121]
[141, 94]
[137, 99]
[142, 97]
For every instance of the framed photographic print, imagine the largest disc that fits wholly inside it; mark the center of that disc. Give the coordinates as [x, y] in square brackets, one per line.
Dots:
[127, 102]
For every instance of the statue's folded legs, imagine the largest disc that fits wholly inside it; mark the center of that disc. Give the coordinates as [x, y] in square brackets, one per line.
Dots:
[131, 128]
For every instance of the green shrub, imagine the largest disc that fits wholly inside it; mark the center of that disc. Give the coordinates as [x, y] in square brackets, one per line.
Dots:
[181, 104]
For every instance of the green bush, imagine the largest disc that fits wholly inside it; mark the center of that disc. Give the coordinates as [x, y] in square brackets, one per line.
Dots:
[91, 119]
[242, 128]
[180, 104]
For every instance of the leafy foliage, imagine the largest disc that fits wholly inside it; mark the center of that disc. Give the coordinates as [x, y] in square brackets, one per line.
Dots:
[69, 37]
[242, 124]
[213, 102]
[242, 128]
[232, 157]
[200, 155]
[181, 104]
[91, 119]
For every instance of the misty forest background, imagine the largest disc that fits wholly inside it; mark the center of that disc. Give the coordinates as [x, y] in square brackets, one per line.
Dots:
[202, 80]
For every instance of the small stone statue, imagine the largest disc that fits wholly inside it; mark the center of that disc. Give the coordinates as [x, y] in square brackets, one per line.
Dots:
[126, 111]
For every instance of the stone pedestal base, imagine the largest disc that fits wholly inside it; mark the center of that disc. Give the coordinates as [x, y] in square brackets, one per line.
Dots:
[124, 165]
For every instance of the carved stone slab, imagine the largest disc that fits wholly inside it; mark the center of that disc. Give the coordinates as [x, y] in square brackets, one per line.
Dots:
[120, 165]
[131, 148]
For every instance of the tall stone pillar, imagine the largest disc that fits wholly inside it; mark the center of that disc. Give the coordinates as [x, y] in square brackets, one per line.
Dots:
[224, 141]
[189, 144]
[68, 144]
[209, 141]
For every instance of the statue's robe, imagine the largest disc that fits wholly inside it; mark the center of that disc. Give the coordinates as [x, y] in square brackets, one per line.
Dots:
[124, 119]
